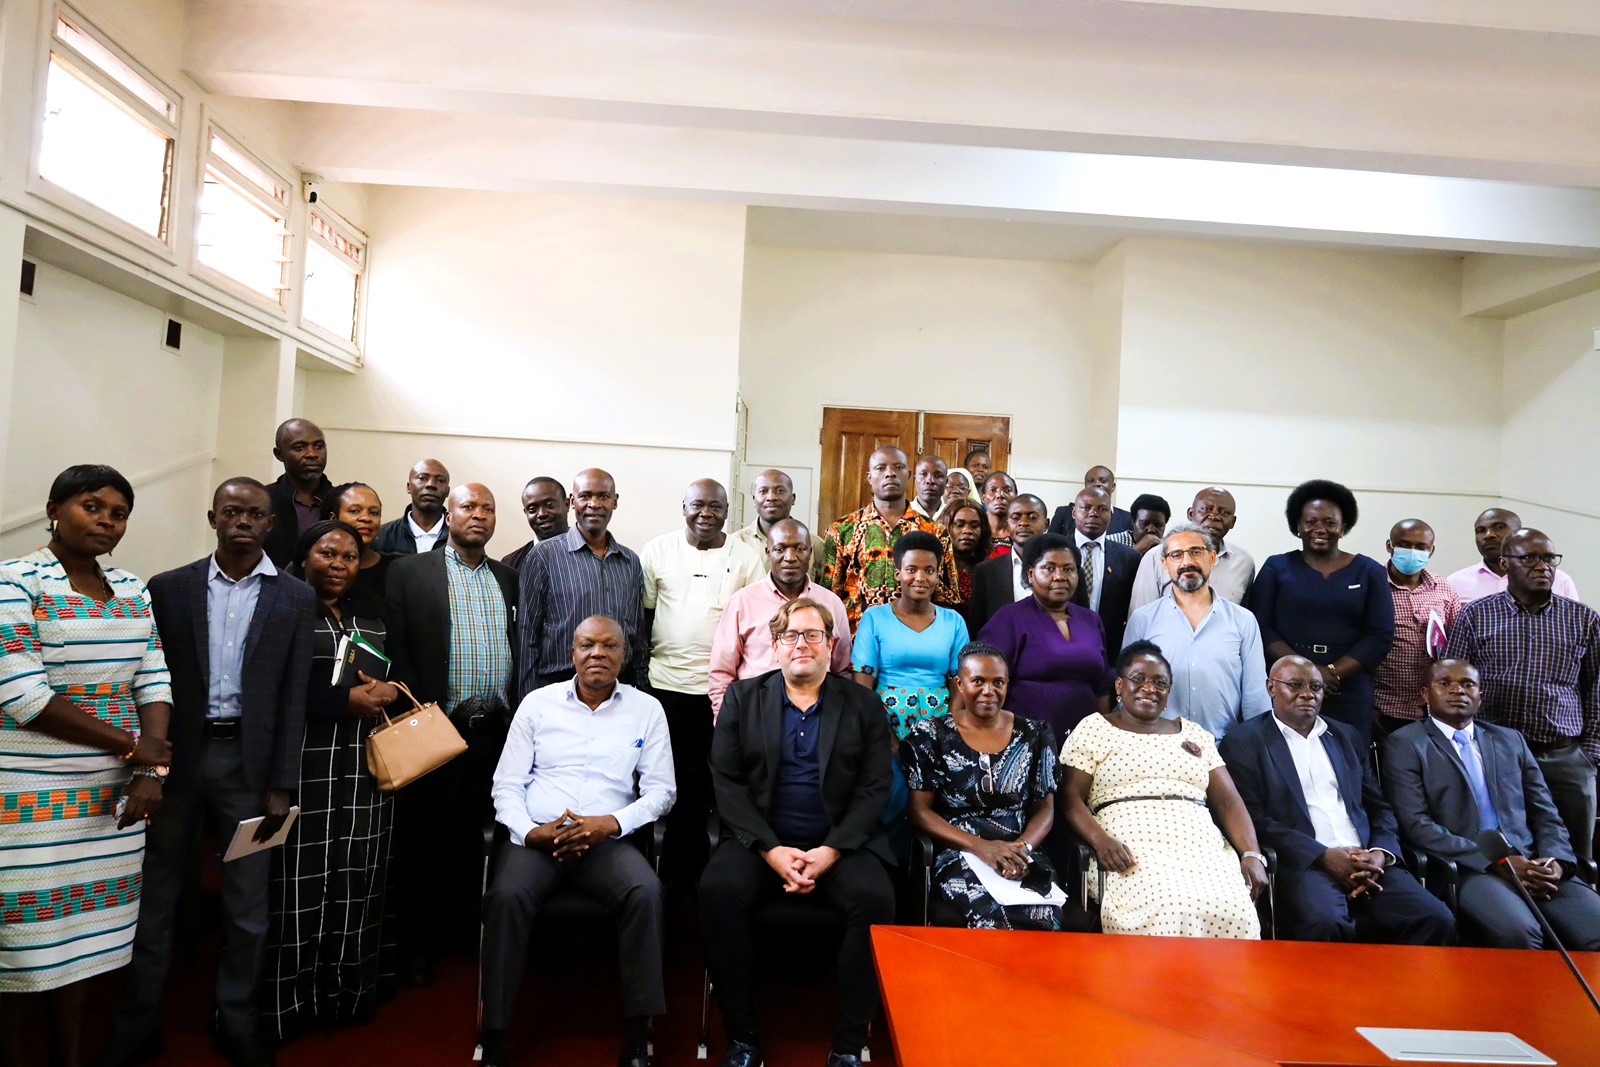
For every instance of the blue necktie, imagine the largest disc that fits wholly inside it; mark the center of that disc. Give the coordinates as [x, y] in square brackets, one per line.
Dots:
[1487, 820]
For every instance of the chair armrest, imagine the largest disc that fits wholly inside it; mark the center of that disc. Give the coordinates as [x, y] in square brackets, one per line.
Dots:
[658, 840]
[1441, 876]
[1589, 872]
[714, 829]
[491, 830]
[922, 852]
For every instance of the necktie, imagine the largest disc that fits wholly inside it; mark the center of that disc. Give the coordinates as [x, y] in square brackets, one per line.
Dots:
[1487, 820]
[1088, 574]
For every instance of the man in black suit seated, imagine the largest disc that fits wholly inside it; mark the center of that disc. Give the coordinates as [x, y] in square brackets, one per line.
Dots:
[1313, 797]
[1105, 581]
[800, 769]
[1000, 581]
[452, 621]
[237, 636]
[1451, 776]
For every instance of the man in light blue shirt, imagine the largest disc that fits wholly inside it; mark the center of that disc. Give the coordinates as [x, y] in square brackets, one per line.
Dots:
[1219, 671]
[587, 762]
[230, 605]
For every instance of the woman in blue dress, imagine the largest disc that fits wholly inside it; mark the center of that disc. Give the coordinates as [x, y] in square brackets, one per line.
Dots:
[907, 650]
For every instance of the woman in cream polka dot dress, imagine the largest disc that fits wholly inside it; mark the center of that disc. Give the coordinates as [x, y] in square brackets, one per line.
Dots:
[1141, 791]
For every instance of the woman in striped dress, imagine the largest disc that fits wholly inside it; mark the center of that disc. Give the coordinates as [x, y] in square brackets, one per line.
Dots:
[327, 954]
[84, 703]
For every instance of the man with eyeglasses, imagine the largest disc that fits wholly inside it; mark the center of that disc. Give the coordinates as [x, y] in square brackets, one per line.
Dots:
[1483, 579]
[1213, 644]
[1539, 656]
[742, 647]
[1235, 569]
[800, 767]
[1313, 797]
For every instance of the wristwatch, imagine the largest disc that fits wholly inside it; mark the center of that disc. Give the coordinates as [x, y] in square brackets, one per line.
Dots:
[158, 773]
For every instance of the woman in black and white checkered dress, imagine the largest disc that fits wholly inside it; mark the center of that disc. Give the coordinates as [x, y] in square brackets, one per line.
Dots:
[328, 950]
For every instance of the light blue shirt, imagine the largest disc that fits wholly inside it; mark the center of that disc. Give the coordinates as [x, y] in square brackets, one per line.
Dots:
[561, 756]
[1219, 670]
[230, 606]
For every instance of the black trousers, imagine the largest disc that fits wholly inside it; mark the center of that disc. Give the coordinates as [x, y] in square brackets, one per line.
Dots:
[1312, 907]
[689, 725]
[613, 873]
[737, 879]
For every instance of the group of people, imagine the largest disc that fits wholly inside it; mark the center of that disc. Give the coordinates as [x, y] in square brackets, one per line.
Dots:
[953, 660]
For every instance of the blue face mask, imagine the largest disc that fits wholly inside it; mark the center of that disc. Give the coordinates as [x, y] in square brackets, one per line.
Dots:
[1409, 560]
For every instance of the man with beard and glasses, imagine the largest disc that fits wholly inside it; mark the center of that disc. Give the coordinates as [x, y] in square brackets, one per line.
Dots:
[1213, 509]
[1489, 577]
[421, 528]
[544, 502]
[774, 499]
[1214, 645]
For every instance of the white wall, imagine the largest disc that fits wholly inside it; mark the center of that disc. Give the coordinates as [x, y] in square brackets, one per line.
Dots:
[512, 335]
[93, 384]
[1259, 366]
[1550, 450]
[933, 333]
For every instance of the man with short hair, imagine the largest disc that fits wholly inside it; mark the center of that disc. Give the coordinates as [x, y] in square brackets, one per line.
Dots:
[544, 503]
[1214, 509]
[1000, 580]
[1313, 797]
[1213, 645]
[585, 571]
[1483, 579]
[930, 476]
[587, 763]
[689, 574]
[1105, 579]
[421, 528]
[857, 565]
[300, 495]
[1539, 656]
[1151, 514]
[1450, 777]
[800, 765]
[774, 499]
[977, 463]
[1099, 477]
[1425, 609]
[452, 637]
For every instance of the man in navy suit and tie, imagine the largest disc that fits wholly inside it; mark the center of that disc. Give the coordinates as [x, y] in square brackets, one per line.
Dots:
[1450, 777]
[1312, 795]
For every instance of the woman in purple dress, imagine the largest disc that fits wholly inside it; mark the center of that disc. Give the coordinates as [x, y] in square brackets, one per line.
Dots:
[1056, 649]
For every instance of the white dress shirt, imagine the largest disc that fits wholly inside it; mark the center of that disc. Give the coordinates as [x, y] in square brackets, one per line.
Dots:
[1098, 563]
[561, 755]
[1320, 785]
[1019, 577]
[425, 539]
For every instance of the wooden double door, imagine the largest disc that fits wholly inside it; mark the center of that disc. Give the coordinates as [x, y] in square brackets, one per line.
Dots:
[851, 435]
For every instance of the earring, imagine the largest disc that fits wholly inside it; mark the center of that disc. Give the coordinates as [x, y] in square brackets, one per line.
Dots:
[51, 527]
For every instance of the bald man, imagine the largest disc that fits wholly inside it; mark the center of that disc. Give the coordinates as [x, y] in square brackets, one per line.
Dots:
[689, 575]
[1487, 578]
[1235, 570]
[774, 500]
[1425, 608]
[301, 492]
[451, 634]
[421, 528]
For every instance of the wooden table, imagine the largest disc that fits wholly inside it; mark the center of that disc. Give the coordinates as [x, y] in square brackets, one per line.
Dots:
[977, 998]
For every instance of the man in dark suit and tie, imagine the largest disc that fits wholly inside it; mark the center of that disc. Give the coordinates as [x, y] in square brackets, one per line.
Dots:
[237, 635]
[1452, 776]
[800, 769]
[1105, 581]
[1313, 797]
[1000, 581]
[452, 627]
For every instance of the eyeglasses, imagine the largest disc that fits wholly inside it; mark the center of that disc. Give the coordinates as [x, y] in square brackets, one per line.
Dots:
[1137, 682]
[1197, 553]
[1298, 687]
[986, 765]
[791, 638]
[1532, 559]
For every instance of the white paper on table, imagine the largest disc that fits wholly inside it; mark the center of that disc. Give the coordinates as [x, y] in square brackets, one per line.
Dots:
[1007, 893]
[244, 838]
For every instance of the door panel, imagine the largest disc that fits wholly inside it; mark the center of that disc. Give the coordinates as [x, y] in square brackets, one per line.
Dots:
[849, 436]
[951, 437]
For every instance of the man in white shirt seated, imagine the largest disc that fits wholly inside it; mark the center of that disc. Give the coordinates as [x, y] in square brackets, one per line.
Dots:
[587, 763]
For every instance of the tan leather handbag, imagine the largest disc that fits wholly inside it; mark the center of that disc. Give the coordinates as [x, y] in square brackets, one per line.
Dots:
[408, 746]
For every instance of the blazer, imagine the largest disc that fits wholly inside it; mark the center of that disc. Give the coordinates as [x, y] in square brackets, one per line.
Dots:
[418, 618]
[992, 589]
[285, 532]
[1263, 770]
[1116, 591]
[1427, 785]
[394, 537]
[853, 751]
[1061, 521]
[272, 693]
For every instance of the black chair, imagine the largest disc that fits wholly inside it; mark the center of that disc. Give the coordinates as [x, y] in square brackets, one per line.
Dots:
[566, 906]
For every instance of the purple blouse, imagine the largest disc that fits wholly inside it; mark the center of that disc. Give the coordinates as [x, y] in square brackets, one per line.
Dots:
[1053, 679]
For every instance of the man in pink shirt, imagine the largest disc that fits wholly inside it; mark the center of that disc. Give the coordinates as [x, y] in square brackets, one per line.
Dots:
[1489, 577]
[742, 647]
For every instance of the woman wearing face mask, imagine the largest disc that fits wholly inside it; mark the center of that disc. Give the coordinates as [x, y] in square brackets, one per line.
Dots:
[1425, 608]
[1326, 604]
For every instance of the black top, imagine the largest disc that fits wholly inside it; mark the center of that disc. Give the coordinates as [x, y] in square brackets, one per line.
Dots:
[359, 615]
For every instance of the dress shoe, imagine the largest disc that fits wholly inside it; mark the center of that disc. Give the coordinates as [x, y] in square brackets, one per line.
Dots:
[843, 1059]
[740, 1054]
[635, 1054]
[494, 1049]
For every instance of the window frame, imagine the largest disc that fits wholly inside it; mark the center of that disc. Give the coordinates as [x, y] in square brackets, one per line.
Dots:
[51, 46]
[343, 228]
[246, 187]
